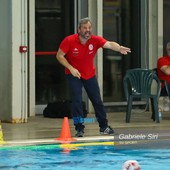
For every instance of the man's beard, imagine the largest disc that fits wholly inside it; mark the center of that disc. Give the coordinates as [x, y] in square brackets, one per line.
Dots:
[86, 35]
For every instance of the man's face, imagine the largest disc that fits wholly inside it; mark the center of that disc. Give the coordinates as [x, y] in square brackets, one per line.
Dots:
[168, 51]
[85, 30]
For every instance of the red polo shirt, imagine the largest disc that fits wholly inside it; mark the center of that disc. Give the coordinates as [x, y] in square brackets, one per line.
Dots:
[82, 56]
[165, 60]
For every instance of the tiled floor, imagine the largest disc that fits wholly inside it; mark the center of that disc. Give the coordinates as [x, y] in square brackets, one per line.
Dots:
[39, 127]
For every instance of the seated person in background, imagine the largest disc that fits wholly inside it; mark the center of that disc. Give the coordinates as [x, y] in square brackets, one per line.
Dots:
[163, 69]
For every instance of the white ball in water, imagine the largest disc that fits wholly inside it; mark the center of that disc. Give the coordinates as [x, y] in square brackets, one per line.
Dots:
[131, 165]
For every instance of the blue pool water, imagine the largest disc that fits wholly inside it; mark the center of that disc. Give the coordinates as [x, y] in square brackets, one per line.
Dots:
[81, 158]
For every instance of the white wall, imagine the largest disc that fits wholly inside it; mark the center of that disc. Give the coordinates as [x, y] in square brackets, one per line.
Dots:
[5, 60]
[31, 70]
[155, 31]
[13, 64]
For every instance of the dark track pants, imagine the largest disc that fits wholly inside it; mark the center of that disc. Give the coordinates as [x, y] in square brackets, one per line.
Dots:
[92, 89]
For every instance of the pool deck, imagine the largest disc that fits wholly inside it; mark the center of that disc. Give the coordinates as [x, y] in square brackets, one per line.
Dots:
[40, 129]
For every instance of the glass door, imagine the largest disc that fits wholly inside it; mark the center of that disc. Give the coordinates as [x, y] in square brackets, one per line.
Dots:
[112, 61]
[54, 20]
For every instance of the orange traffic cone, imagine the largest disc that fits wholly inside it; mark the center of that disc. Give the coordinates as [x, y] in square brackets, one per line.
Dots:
[65, 135]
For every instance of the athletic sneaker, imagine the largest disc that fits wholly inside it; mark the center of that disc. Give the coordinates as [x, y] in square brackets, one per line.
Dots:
[106, 131]
[79, 134]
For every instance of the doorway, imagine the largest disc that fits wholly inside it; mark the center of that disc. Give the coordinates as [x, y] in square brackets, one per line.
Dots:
[53, 21]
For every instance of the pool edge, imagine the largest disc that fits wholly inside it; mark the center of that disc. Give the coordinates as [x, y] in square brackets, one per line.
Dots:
[54, 141]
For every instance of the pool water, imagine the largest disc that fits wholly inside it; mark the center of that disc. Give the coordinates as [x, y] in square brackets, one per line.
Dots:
[50, 157]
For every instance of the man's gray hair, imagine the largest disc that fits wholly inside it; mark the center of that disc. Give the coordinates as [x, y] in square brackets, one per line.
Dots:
[84, 21]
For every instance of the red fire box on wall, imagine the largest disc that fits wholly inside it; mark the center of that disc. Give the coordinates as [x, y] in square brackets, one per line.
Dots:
[23, 49]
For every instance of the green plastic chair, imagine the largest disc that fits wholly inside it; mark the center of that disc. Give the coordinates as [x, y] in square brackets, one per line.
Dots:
[138, 84]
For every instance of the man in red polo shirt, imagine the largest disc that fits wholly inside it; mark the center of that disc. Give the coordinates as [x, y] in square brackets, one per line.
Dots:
[76, 53]
[163, 68]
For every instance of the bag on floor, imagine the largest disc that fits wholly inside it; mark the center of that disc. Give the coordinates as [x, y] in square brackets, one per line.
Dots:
[61, 109]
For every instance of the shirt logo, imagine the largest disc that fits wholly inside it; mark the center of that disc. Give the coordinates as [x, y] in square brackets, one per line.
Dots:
[90, 47]
[75, 51]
